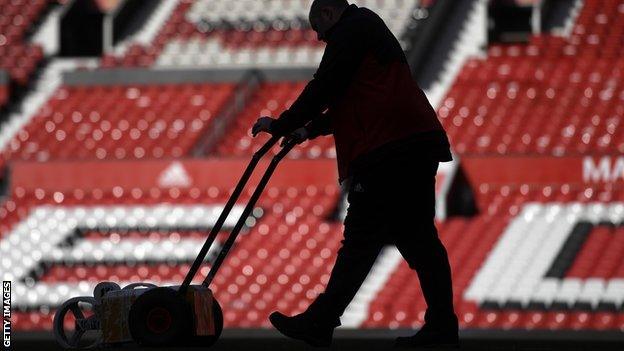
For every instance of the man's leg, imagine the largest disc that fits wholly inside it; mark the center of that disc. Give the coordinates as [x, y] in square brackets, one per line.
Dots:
[417, 239]
[363, 240]
[425, 254]
[360, 248]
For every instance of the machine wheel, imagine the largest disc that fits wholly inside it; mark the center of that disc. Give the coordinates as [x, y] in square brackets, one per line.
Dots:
[160, 317]
[87, 331]
[209, 340]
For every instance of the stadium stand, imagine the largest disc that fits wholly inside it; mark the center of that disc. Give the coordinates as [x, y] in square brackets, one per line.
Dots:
[281, 262]
[269, 100]
[17, 56]
[31, 103]
[554, 96]
[536, 98]
[119, 122]
[243, 34]
[513, 267]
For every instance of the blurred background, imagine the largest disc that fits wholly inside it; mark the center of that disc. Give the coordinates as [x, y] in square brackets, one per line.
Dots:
[125, 125]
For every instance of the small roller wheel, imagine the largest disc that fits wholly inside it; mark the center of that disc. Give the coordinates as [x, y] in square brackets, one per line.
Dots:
[86, 332]
[160, 317]
[209, 340]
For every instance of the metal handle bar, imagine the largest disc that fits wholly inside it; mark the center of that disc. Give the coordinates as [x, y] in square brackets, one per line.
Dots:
[250, 205]
[226, 211]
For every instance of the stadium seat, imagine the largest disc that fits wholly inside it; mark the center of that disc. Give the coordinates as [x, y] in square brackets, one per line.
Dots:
[221, 33]
[589, 302]
[274, 264]
[270, 100]
[120, 122]
[17, 56]
[552, 96]
[533, 98]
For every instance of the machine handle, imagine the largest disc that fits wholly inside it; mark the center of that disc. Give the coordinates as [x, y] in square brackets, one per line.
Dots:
[226, 211]
[250, 205]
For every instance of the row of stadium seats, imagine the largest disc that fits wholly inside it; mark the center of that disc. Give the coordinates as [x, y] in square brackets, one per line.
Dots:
[281, 262]
[245, 34]
[531, 245]
[293, 48]
[120, 122]
[599, 29]
[284, 264]
[284, 259]
[250, 10]
[144, 55]
[601, 255]
[17, 206]
[150, 121]
[476, 252]
[554, 96]
[270, 100]
[18, 57]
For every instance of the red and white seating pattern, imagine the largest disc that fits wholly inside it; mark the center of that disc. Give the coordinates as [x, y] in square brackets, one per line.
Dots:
[302, 246]
[553, 96]
[282, 262]
[510, 267]
[284, 259]
[601, 255]
[188, 39]
[516, 268]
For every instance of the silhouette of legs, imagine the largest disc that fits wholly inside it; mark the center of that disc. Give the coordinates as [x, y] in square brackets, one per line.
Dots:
[360, 248]
[392, 203]
[416, 237]
[425, 254]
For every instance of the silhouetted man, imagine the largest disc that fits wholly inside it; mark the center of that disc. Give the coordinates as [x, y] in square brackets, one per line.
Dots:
[388, 144]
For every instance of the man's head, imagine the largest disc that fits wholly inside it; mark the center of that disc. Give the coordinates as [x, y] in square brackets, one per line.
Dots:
[324, 14]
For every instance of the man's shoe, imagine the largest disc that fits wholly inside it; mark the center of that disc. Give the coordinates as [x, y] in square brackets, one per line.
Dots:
[303, 327]
[428, 337]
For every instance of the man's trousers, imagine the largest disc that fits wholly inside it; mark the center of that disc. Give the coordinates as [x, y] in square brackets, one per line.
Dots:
[392, 203]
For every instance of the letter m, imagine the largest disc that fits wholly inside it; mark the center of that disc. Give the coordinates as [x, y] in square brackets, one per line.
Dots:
[596, 173]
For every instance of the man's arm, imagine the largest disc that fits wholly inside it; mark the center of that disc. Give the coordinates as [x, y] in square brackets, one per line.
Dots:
[321, 125]
[344, 52]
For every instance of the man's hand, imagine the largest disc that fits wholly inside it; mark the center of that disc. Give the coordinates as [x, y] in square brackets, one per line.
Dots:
[298, 136]
[263, 124]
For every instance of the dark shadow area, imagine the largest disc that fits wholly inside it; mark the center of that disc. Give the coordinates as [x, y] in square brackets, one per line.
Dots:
[131, 17]
[380, 339]
[556, 13]
[461, 199]
[81, 30]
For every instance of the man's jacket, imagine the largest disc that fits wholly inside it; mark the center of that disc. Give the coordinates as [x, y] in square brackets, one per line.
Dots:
[363, 93]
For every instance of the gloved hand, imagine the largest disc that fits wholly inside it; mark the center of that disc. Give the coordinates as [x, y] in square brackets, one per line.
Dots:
[298, 136]
[263, 124]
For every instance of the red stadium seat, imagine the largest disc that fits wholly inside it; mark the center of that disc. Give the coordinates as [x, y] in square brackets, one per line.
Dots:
[18, 57]
[270, 100]
[123, 122]
[504, 104]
